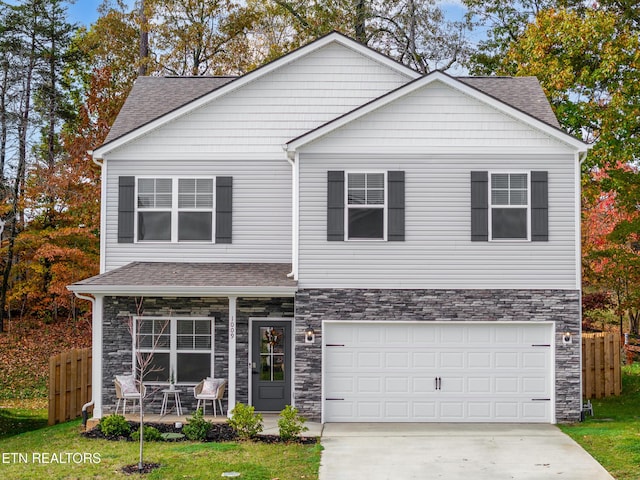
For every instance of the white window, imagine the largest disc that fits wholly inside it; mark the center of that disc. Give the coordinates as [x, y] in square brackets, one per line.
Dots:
[366, 206]
[509, 206]
[175, 209]
[178, 347]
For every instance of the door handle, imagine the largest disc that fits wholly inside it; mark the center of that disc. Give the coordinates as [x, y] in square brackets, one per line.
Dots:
[438, 383]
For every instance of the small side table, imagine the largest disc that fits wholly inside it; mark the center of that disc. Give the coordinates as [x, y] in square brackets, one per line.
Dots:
[176, 401]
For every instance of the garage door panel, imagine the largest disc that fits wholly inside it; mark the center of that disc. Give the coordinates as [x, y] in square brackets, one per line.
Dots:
[479, 359]
[480, 411]
[504, 385]
[538, 359]
[479, 385]
[389, 371]
[506, 360]
[397, 385]
[424, 360]
[505, 411]
[535, 386]
[452, 360]
[452, 411]
[397, 360]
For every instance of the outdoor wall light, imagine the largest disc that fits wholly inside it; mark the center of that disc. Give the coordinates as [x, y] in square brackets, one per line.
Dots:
[309, 335]
[567, 338]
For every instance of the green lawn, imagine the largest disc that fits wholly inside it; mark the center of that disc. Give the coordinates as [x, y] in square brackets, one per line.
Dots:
[612, 435]
[59, 452]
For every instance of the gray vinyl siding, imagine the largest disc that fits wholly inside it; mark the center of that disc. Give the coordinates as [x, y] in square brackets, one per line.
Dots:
[261, 213]
[438, 251]
[241, 135]
[435, 118]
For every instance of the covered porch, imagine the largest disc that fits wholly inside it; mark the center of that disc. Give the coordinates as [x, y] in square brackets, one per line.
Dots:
[201, 317]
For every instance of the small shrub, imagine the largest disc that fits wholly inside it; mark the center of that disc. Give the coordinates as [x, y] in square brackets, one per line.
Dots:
[114, 426]
[245, 422]
[197, 427]
[151, 434]
[290, 423]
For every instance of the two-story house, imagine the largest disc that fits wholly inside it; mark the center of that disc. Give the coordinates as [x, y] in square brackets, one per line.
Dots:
[341, 233]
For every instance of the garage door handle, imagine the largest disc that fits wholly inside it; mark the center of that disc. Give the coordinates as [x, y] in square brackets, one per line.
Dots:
[334, 399]
[438, 383]
[540, 399]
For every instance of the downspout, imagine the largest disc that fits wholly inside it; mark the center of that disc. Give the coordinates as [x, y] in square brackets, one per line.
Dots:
[291, 156]
[85, 413]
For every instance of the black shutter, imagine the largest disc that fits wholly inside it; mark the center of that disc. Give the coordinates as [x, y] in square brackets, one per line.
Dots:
[126, 208]
[335, 206]
[224, 201]
[395, 197]
[479, 206]
[539, 207]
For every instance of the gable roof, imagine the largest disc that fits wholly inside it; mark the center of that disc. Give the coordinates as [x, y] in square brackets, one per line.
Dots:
[469, 87]
[152, 117]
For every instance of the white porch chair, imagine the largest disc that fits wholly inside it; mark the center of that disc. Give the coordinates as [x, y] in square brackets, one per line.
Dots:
[210, 389]
[127, 388]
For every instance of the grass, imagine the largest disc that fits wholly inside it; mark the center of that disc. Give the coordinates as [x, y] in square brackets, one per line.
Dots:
[102, 459]
[612, 435]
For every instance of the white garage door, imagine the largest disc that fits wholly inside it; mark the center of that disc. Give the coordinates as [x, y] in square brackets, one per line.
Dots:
[437, 372]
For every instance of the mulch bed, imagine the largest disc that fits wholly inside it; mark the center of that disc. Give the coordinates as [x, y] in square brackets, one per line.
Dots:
[146, 468]
[219, 432]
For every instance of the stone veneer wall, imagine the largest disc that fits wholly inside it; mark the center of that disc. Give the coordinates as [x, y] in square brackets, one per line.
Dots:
[560, 306]
[117, 344]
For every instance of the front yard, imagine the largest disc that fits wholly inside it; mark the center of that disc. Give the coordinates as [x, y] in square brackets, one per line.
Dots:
[60, 452]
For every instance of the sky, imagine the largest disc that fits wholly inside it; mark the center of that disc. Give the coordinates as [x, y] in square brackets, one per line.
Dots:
[85, 12]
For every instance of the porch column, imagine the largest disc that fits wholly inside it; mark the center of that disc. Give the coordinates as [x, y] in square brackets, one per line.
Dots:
[231, 395]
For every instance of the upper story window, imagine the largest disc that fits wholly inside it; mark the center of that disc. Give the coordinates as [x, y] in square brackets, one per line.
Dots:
[366, 206]
[509, 206]
[175, 209]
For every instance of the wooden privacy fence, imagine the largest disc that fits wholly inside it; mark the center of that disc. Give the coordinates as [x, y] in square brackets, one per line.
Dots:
[601, 365]
[69, 384]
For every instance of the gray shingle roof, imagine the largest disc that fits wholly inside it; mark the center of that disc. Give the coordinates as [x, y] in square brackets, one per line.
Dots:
[523, 93]
[152, 97]
[166, 275]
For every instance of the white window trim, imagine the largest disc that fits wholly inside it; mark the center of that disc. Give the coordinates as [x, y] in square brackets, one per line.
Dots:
[173, 344]
[384, 207]
[510, 172]
[174, 210]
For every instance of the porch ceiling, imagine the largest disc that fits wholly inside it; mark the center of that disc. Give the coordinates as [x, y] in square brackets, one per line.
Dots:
[189, 279]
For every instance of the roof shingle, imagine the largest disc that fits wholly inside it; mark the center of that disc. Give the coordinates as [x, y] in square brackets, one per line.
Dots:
[175, 274]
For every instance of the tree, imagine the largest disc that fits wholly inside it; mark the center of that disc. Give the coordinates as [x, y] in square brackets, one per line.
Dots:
[414, 33]
[21, 30]
[196, 37]
[505, 22]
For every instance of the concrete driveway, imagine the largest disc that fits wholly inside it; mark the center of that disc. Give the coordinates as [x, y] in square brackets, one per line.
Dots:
[354, 451]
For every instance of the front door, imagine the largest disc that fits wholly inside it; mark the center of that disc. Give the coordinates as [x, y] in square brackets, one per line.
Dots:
[271, 365]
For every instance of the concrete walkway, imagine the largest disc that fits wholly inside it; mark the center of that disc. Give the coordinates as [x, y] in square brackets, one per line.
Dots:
[354, 451]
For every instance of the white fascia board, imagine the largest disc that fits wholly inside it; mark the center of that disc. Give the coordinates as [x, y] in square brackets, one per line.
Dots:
[182, 291]
[334, 37]
[437, 76]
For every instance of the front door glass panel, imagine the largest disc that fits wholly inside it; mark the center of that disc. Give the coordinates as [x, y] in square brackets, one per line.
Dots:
[272, 354]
